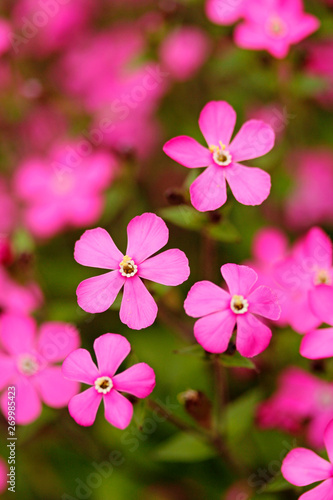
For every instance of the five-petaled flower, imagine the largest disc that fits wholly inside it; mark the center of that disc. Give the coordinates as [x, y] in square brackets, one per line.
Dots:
[147, 234]
[219, 311]
[302, 467]
[111, 349]
[250, 186]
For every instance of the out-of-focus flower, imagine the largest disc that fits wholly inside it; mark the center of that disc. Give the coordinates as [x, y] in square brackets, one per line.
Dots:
[147, 234]
[273, 114]
[111, 349]
[302, 467]
[300, 397]
[65, 189]
[219, 311]
[225, 11]
[16, 298]
[183, 52]
[274, 25]
[28, 363]
[310, 201]
[5, 31]
[3, 475]
[320, 63]
[250, 186]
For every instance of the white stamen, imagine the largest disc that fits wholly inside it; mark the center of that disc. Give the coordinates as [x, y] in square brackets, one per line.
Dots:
[128, 268]
[221, 155]
[28, 365]
[103, 385]
[239, 305]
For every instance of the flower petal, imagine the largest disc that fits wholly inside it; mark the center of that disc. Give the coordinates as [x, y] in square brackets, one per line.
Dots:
[97, 294]
[328, 437]
[118, 410]
[223, 11]
[111, 349]
[214, 331]
[253, 337]
[302, 467]
[54, 389]
[96, 248]
[322, 492]
[138, 380]
[205, 298]
[80, 367]
[264, 302]
[83, 407]
[168, 268]
[318, 344]
[240, 279]
[254, 139]
[7, 370]
[209, 190]
[318, 248]
[321, 300]
[17, 333]
[217, 122]
[187, 152]
[56, 340]
[249, 185]
[27, 403]
[138, 308]
[147, 233]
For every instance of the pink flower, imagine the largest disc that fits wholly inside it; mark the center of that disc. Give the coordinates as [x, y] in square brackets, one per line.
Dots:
[225, 11]
[65, 189]
[250, 186]
[302, 467]
[274, 25]
[111, 349]
[300, 397]
[27, 363]
[3, 475]
[147, 234]
[219, 311]
[184, 51]
[5, 31]
[320, 63]
[16, 298]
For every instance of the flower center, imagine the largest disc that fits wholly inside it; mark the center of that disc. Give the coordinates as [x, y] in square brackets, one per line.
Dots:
[322, 277]
[221, 155]
[28, 364]
[276, 27]
[238, 304]
[127, 267]
[103, 385]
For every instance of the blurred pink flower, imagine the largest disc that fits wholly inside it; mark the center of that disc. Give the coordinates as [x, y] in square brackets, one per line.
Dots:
[111, 349]
[3, 475]
[310, 201]
[64, 189]
[184, 51]
[320, 63]
[300, 397]
[273, 114]
[302, 467]
[5, 31]
[274, 25]
[219, 311]
[225, 11]
[147, 234]
[28, 363]
[250, 186]
[16, 298]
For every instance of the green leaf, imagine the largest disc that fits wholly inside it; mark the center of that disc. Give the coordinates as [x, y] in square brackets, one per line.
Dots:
[237, 361]
[183, 448]
[278, 483]
[184, 216]
[240, 415]
[193, 350]
[225, 232]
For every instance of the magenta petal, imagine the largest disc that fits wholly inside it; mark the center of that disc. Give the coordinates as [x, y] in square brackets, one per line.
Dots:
[253, 337]
[328, 438]
[321, 301]
[138, 380]
[318, 248]
[302, 467]
[17, 333]
[255, 138]
[54, 389]
[111, 349]
[223, 11]
[217, 122]
[80, 367]
[7, 370]
[97, 294]
[56, 340]
[322, 492]
[96, 248]
[240, 279]
[214, 331]
[264, 302]
[83, 407]
[249, 185]
[209, 190]
[187, 152]
[168, 268]
[118, 410]
[27, 403]
[147, 233]
[205, 298]
[138, 308]
[318, 344]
